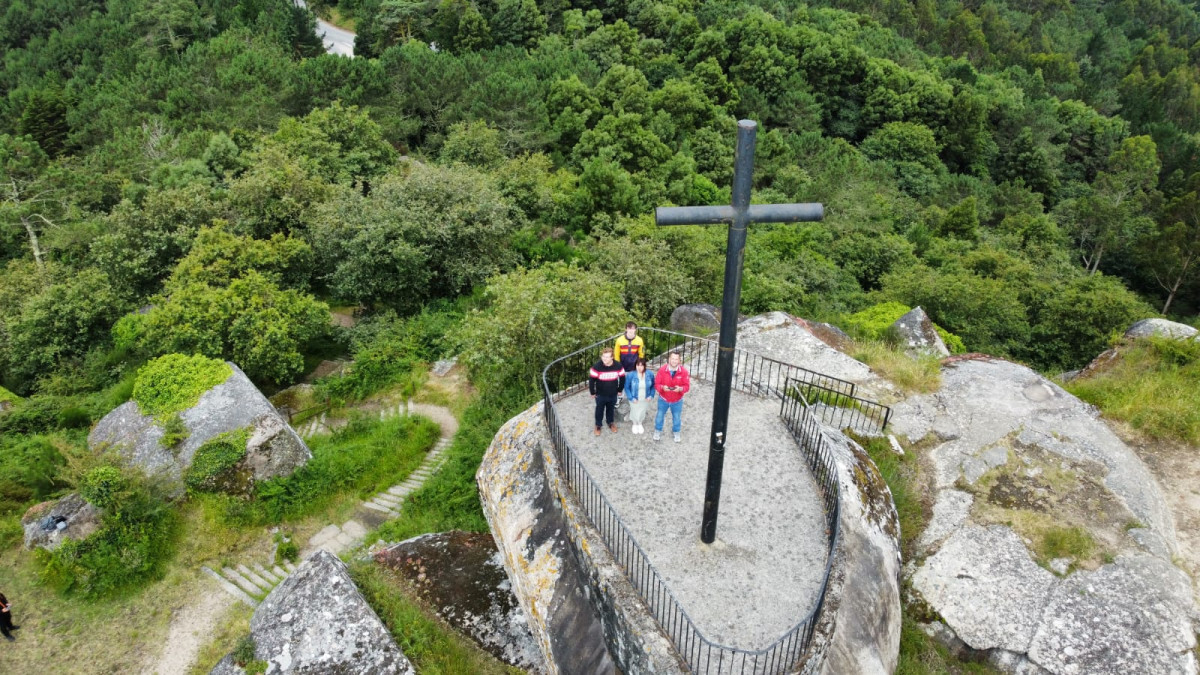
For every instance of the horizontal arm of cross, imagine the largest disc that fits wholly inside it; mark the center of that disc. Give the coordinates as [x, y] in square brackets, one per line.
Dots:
[756, 213]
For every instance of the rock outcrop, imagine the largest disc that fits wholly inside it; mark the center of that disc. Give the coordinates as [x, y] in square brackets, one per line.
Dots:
[697, 319]
[1027, 480]
[784, 338]
[460, 578]
[316, 621]
[557, 561]
[51, 523]
[273, 448]
[575, 602]
[1160, 328]
[916, 329]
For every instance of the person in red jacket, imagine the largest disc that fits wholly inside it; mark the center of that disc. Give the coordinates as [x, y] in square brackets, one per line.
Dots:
[671, 383]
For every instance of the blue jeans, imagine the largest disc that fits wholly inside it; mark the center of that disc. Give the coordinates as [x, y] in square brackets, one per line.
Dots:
[676, 409]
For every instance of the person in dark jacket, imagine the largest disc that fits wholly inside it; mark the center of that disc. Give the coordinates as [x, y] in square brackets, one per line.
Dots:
[606, 379]
[6, 624]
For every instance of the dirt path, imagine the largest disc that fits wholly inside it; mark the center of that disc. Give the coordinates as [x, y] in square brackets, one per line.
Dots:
[191, 629]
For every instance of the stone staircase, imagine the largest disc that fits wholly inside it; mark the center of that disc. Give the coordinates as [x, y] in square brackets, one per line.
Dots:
[250, 584]
[388, 501]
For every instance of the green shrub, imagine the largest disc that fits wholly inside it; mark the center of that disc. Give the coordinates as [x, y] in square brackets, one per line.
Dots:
[174, 383]
[29, 468]
[7, 396]
[243, 653]
[875, 323]
[287, 550]
[104, 486]
[131, 547]
[174, 432]
[127, 331]
[212, 465]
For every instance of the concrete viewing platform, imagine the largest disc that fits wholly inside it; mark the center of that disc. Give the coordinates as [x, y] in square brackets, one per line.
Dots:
[763, 574]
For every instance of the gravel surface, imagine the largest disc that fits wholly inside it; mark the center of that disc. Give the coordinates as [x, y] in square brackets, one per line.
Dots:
[761, 577]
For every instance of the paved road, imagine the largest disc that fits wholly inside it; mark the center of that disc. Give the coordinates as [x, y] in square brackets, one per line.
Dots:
[337, 40]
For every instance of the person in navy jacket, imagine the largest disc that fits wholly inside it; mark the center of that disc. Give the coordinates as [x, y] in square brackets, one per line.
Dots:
[606, 379]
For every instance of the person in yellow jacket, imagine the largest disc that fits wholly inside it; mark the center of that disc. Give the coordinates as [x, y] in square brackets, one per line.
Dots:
[628, 349]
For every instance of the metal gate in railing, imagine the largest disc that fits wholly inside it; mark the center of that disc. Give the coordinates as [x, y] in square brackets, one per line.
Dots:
[754, 375]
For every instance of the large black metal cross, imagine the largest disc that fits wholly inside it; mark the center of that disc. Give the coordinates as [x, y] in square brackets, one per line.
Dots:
[737, 216]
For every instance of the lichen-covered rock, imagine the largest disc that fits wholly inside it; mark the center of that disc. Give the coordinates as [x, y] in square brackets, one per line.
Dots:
[1160, 328]
[316, 621]
[697, 319]
[916, 330]
[861, 629]
[51, 523]
[273, 448]
[579, 606]
[459, 575]
[1018, 462]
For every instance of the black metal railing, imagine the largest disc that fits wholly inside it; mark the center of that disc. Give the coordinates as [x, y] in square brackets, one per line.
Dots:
[839, 410]
[757, 376]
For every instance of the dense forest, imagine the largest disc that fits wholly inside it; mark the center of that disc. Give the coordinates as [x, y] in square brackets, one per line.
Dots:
[198, 177]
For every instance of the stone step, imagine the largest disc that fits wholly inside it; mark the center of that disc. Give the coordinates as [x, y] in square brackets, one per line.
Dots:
[345, 541]
[328, 532]
[289, 566]
[398, 491]
[242, 582]
[280, 572]
[376, 507]
[354, 529]
[385, 498]
[255, 578]
[230, 588]
[265, 573]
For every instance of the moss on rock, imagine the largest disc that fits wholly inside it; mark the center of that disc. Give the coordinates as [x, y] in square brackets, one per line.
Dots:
[175, 382]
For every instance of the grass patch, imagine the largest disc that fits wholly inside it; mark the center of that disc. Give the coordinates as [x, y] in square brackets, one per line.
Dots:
[1153, 385]
[62, 635]
[902, 475]
[432, 646]
[915, 375]
[233, 625]
[920, 654]
[449, 499]
[362, 458]
[1066, 542]
[212, 465]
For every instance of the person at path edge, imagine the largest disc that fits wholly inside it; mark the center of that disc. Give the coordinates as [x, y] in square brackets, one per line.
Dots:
[6, 624]
[671, 382]
[606, 379]
[639, 389]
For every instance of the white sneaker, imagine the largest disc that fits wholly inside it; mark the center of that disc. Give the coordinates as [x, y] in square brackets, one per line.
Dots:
[677, 439]
[657, 435]
[637, 428]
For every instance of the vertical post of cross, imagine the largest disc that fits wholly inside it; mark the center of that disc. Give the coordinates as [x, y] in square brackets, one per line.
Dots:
[731, 300]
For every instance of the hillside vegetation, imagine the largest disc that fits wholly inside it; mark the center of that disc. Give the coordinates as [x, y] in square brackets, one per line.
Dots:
[198, 179]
